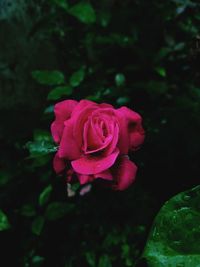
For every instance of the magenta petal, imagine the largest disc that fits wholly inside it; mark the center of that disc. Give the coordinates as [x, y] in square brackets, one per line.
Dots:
[84, 179]
[64, 109]
[58, 164]
[62, 112]
[82, 105]
[68, 146]
[131, 127]
[106, 175]
[131, 115]
[93, 165]
[80, 116]
[123, 142]
[137, 138]
[124, 174]
[56, 131]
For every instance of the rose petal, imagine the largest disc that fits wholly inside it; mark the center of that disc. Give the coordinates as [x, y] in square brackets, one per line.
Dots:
[84, 179]
[80, 116]
[123, 143]
[62, 112]
[93, 165]
[136, 139]
[64, 109]
[92, 142]
[124, 172]
[58, 164]
[82, 105]
[131, 115]
[113, 143]
[106, 175]
[68, 146]
[133, 125]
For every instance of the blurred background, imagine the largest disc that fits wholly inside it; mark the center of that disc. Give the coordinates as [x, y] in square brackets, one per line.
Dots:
[138, 53]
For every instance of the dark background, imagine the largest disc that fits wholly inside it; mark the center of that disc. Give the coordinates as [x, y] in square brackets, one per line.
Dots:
[142, 54]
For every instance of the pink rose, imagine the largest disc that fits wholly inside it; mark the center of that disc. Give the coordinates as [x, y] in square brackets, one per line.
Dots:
[94, 141]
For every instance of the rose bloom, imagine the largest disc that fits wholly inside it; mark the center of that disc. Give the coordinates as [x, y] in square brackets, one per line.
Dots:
[94, 141]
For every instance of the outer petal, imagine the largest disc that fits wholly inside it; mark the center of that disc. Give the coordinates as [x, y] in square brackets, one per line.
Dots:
[84, 179]
[58, 164]
[137, 138]
[62, 112]
[123, 142]
[133, 124]
[68, 146]
[106, 175]
[64, 109]
[94, 165]
[124, 173]
[82, 105]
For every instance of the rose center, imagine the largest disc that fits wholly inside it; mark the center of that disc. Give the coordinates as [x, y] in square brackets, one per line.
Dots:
[98, 133]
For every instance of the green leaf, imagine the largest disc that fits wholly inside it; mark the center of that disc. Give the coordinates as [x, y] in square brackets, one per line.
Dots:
[42, 144]
[38, 225]
[61, 3]
[45, 77]
[49, 110]
[175, 236]
[37, 261]
[4, 223]
[60, 91]
[44, 196]
[57, 210]
[28, 210]
[122, 100]
[91, 258]
[161, 71]
[40, 148]
[120, 79]
[104, 261]
[84, 12]
[77, 77]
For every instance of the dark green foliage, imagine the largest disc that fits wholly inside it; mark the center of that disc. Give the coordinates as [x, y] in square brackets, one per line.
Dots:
[4, 223]
[143, 54]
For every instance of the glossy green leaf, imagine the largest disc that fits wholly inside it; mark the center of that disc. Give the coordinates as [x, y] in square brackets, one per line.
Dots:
[45, 195]
[77, 77]
[59, 92]
[84, 12]
[104, 261]
[45, 77]
[175, 236]
[57, 210]
[4, 223]
[38, 225]
[40, 148]
[42, 144]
